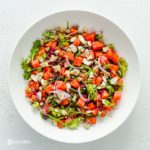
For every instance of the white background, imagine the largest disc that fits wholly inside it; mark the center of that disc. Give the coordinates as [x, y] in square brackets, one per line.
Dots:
[133, 16]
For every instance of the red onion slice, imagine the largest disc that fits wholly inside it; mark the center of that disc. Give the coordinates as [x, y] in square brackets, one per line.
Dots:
[55, 85]
[101, 68]
[61, 94]
[71, 34]
[70, 64]
[79, 92]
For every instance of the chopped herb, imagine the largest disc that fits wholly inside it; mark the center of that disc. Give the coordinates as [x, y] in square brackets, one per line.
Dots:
[111, 45]
[55, 112]
[99, 36]
[88, 81]
[107, 103]
[106, 66]
[120, 88]
[83, 90]
[91, 89]
[62, 40]
[42, 42]
[110, 89]
[39, 69]
[54, 79]
[74, 90]
[42, 115]
[68, 24]
[78, 53]
[49, 34]
[85, 67]
[50, 97]
[56, 119]
[44, 56]
[89, 72]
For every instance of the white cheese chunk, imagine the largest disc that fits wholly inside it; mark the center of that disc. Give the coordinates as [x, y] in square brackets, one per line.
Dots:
[91, 75]
[114, 80]
[34, 78]
[57, 52]
[68, 86]
[82, 40]
[37, 77]
[67, 74]
[87, 53]
[64, 112]
[105, 49]
[104, 79]
[56, 68]
[44, 64]
[73, 48]
[73, 39]
[40, 59]
[39, 95]
[86, 62]
[44, 82]
[89, 43]
[81, 48]
[53, 58]
[75, 72]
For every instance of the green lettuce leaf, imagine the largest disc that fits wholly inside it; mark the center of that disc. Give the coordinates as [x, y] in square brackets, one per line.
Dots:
[107, 103]
[74, 123]
[123, 67]
[25, 64]
[35, 105]
[35, 48]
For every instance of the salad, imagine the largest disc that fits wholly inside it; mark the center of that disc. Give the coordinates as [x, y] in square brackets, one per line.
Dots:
[73, 76]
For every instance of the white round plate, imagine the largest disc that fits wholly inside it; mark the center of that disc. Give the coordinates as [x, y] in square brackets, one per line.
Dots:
[112, 34]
